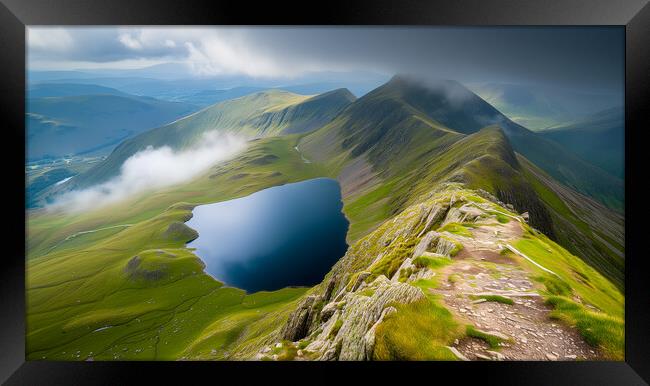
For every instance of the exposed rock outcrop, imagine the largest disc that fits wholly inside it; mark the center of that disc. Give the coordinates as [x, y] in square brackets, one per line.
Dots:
[349, 333]
[425, 243]
[301, 319]
[445, 246]
[436, 214]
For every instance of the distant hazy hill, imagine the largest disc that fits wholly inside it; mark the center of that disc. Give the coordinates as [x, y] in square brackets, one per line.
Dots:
[265, 113]
[76, 124]
[538, 108]
[41, 90]
[176, 83]
[598, 138]
[212, 96]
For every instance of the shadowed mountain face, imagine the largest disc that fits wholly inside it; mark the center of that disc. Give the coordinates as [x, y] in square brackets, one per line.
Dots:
[598, 139]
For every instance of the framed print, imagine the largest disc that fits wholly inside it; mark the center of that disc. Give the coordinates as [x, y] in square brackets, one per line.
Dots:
[414, 189]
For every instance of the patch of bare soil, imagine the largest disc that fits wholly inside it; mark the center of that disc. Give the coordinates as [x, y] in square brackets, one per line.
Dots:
[356, 177]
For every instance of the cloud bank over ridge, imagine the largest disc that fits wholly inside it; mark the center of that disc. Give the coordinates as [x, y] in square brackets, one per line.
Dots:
[152, 169]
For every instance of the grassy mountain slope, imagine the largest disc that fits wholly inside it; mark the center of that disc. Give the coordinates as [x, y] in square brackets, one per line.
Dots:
[69, 125]
[561, 163]
[449, 104]
[267, 113]
[211, 96]
[401, 139]
[598, 139]
[582, 225]
[150, 300]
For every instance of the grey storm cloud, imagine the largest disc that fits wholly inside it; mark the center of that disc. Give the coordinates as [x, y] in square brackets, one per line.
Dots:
[584, 57]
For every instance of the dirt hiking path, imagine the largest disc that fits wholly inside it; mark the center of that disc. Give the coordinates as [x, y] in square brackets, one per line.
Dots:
[525, 328]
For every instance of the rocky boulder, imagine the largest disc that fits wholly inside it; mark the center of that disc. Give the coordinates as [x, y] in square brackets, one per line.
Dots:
[349, 333]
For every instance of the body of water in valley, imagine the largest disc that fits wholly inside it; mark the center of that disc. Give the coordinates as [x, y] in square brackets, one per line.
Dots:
[287, 235]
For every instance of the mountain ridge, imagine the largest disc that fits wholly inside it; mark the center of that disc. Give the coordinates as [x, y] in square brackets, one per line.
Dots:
[403, 154]
[449, 105]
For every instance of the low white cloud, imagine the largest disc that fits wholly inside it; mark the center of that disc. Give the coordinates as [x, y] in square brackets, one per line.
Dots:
[206, 51]
[49, 38]
[151, 169]
[130, 42]
[215, 57]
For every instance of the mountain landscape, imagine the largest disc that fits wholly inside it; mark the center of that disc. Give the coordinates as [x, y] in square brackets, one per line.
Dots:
[470, 237]
[75, 119]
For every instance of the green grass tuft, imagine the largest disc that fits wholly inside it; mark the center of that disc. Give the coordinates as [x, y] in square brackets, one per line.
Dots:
[417, 331]
[598, 329]
[492, 340]
[432, 262]
[367, 292]
[335, 328]
[456, 229]
[502, 218]
[554, 285]
[391, 262]
[494, 298]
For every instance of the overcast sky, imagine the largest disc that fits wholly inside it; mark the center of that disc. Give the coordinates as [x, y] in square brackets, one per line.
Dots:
[586, 58]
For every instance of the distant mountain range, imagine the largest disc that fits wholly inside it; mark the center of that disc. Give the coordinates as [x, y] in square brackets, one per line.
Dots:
[538, 107]
[49, 90]
[598, 138]
[176, 82]
[72, 119]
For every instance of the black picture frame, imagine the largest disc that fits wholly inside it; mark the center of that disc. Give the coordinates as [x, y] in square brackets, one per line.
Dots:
[15, 15]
